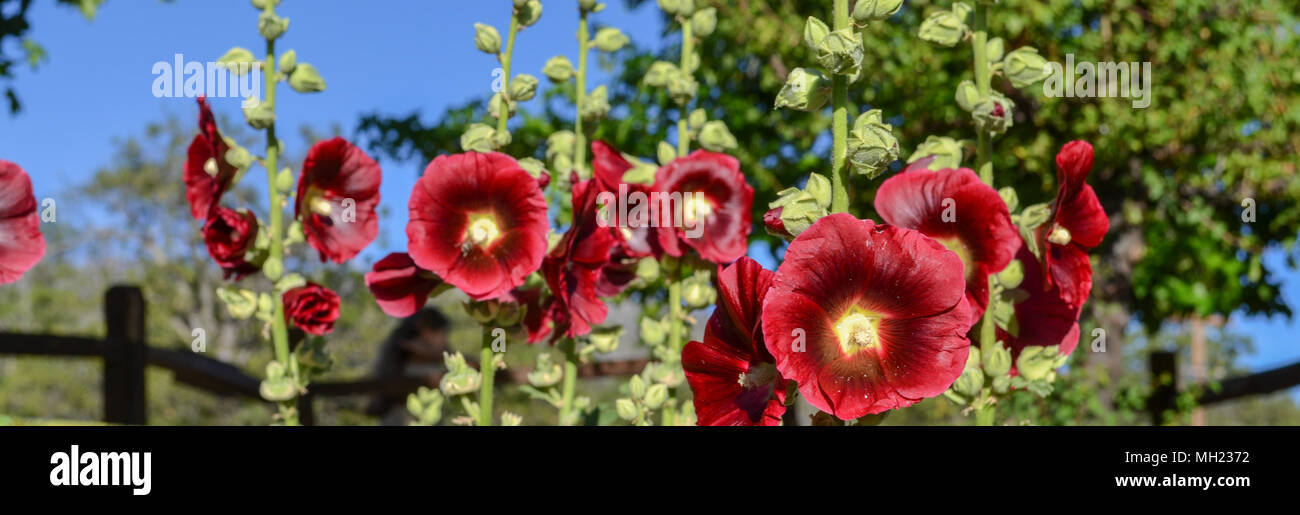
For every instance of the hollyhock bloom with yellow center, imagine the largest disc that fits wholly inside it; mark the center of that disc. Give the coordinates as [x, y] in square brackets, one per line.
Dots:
[961, 212]
[1077, 225]
[720, 201]
[479, 222]
[207, 173]
[337, 196]
[732, 375]
[866, 317]
[21, 243]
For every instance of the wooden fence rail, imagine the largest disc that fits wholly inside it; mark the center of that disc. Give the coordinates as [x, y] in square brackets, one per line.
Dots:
[125, 357]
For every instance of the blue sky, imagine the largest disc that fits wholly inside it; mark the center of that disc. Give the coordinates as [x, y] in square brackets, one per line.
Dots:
[390, 57]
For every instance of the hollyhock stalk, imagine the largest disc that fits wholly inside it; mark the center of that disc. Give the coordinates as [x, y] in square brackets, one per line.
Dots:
[279, 329]
[674, 266]
[584, 46]
[983, 76]
[840, 124]
[505, 66]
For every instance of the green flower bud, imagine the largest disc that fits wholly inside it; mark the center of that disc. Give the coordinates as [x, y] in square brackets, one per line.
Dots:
[704, 21]
[968, 95]
[460, 377]
[641, 172]
[595, 105]
[305, 79]
[239, 302]
[1035, 363]
[288, 61]
[523, 88]
[656, 395]
[605, 339]
[636, 387]
[715, 137]
[546, 373]
[994, 114]
[232, 59]
[1025, 67]
[272, 26]
[478, 138]
[867, 10]
[804, 90]
[260, 116]
[587, 5]
[559, 152]
[529, 12]
[1011, 276]
[681, 7]
[697, 119]
[647, 269]
[1010, 198]
[872, 146]
[558, 69]
[994, 49]
[261, 4]
[534, 167]
[946, 151]
[499, 104]
[278, 390]
[1035, 215]
[626, 409]
[666, 152]
[944, 28]
[659, 73]
[997, 362]
[487, 39]
[610, 39]
[652, 331]
[970, 382]
[799, 209]
[682, 87]
[698, 292]
[840, 52]
[814, 31]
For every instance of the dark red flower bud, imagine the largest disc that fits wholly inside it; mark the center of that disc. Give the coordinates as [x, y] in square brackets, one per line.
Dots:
[312, 308]
[229, 234]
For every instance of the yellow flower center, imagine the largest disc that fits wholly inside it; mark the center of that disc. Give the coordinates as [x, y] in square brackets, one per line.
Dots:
[482, 230]
[321, 206]
[696, 208]
[857, 331]
[1059, 235]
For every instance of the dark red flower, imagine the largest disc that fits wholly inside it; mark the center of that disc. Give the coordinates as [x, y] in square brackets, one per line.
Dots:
[731, 373]
[312, 308]
[537, 317]
[1044, 319]
[229, 234]
[721, 201]
[337, 195]
[478, 221]
[572, 269]
[21, 243]
[399, 286]
[866, 317]
[1078, 224]
[636, 237]
[207, 173]
[961, 212]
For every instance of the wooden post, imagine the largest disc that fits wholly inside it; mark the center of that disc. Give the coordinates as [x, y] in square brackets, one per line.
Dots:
[124, 356]
[1164, 385]
[306, 416]
[1199, 367]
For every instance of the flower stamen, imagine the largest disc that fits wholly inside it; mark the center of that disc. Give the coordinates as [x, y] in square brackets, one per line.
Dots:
[1059, 235]
[856, 331]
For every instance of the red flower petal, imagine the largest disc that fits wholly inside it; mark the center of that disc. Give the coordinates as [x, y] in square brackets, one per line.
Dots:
[400, 287]
[203, 190]
[490, 188]
[726, 229]
[1071, 271]
[21, 243]
[312, 308]
[1084, 217]
[573, 268]
[228, 235]
[963, 213]
[1073, 163]
[337, 195]
[906, 290]
[1045, 318]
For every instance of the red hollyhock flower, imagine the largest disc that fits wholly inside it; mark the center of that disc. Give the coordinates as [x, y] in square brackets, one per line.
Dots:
[573, 267]
[207, 174]
[961, 212]
[1045, 318]
[478, 221]
[399, 286]
[636, 239]
[722, 203]
[733, 376]
[537, 317]
[337, 195]
[312, 308]
[867, 317]
[1078, 224]
[229, 234]
[21, 243]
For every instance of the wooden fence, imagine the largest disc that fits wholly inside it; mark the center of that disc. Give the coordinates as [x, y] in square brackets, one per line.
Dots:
[125, 357]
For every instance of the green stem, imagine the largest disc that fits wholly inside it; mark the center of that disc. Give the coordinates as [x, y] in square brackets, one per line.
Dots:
[279, 330]
[683, 129]
[840, 125]
[569, 347]
[986, 415]
[584, 47]
[504, 114]
[675, 306]
[487, 373]
[983, 76]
